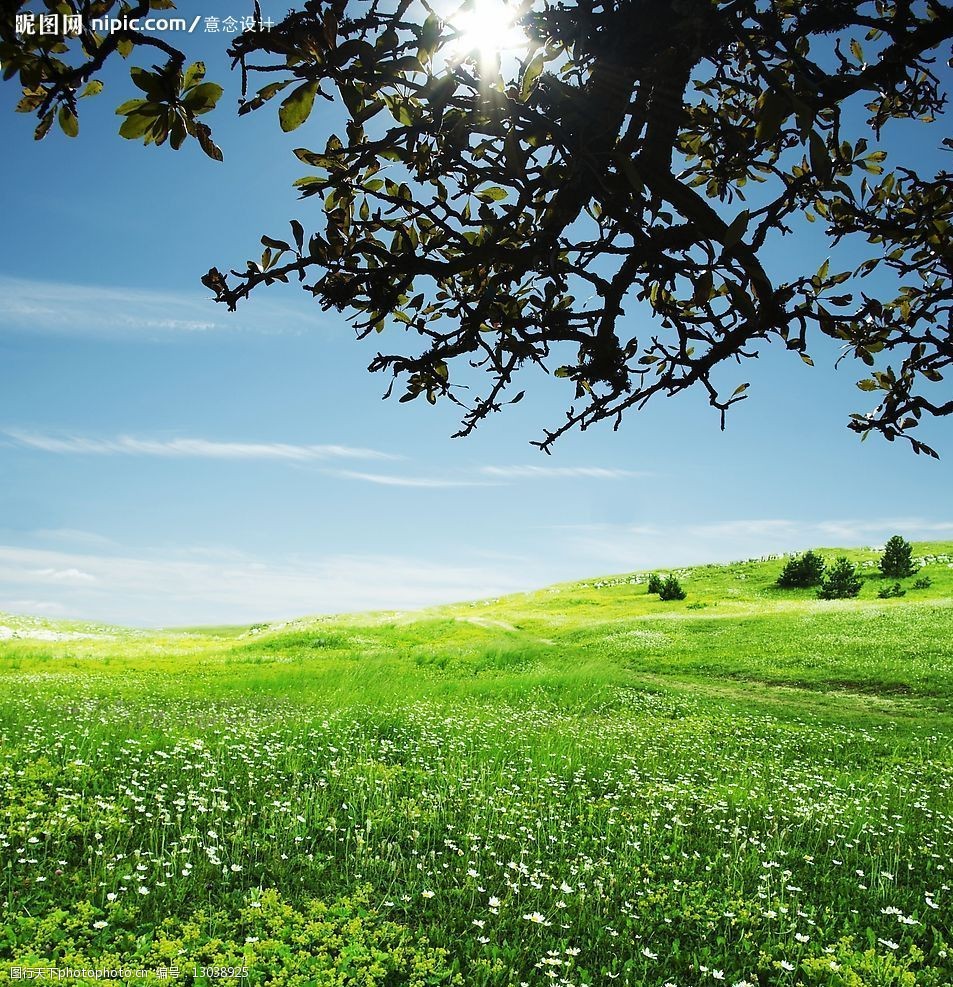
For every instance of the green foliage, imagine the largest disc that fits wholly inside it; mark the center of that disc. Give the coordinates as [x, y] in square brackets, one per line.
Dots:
[655, 583]
[849, 964]
[897, 559]
[891, 591]
[802, 571]
[841, 581]
[924, 582]
[310, 944]
[296, 108]
[671, 589]
[173, 100]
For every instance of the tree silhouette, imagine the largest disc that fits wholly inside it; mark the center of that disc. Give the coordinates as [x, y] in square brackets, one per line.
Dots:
[603, 208]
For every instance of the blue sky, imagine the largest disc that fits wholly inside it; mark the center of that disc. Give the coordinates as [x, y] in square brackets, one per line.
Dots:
[165, 462]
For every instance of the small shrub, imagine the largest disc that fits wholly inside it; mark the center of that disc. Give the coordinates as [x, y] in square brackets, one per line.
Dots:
[671, 590]
[897, 559]
[842, 581]
[655, 583]
[802, 571]
[924, 582]
[888, 592]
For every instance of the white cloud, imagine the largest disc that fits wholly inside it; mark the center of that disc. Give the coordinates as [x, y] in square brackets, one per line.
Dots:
[193, 448]
[558, 472]
[45, 608]
[498, 475]
[172, 590]
[71, 575]
[390, 480]
[74, 536]
[103, 310]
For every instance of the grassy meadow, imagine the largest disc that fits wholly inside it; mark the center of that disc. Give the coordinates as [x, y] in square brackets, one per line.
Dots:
[578, 786]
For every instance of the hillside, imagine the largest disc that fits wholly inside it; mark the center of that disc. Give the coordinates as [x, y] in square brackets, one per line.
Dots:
[581, 785]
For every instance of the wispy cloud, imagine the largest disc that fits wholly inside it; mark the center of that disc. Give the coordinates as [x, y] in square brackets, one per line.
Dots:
[192, 448]
[74, 536]
[558, 472]
[395, 480]
[51, 575]
[199, 448]
[168, 589]
[43, 608]
[103, 310]
[494, 476]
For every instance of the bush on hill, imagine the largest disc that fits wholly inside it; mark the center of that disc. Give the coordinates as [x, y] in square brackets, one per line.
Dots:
[897, 559]
[842, 581]
[802, 571]
[655, 583]
[890, 591]
[671, 590]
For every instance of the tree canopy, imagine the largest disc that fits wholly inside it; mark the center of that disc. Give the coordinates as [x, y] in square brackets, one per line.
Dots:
[600, 202]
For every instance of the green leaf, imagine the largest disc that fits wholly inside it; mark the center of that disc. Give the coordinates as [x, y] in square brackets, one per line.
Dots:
[703, 288]
[264, 94]
[68, 122]
[492, 194]
[43, 127]
[130, 106]
[531, 74]
[136, 124]
[93, 88]
[736, 230]
[148, 82]
[857, 51]
[178, 132]
[773, 110]
[314, 159]
[399, 111]
[430, 32]
[201, 99]
[296, 108]
[352, 99]
[820, 158]
[280, 245]
[31, 101]
[194, 74]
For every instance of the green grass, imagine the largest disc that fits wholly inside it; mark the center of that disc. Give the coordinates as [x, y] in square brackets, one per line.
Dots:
[581, 785]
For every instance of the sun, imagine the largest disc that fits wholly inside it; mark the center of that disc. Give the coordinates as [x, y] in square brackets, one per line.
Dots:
[486, 29]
